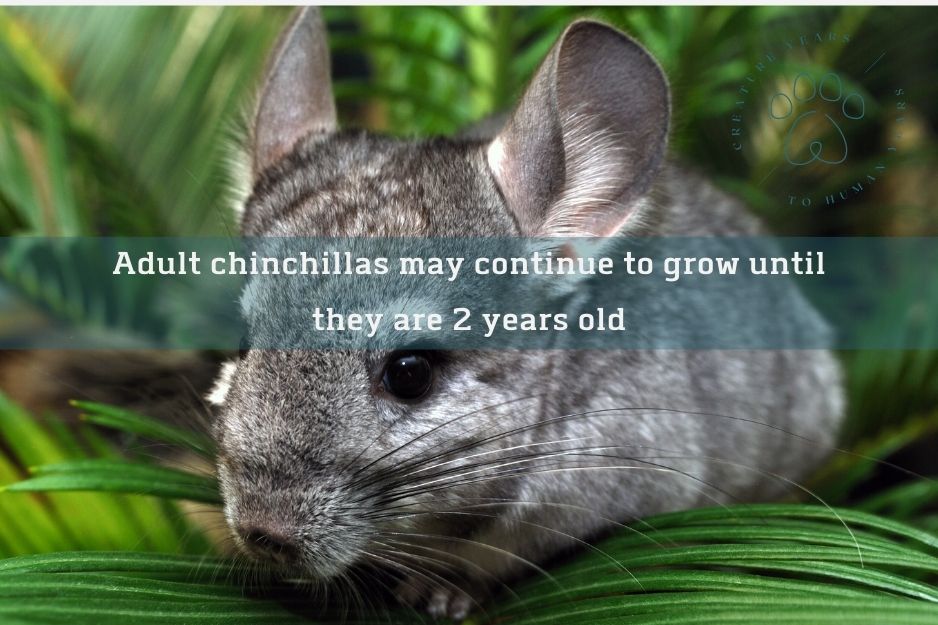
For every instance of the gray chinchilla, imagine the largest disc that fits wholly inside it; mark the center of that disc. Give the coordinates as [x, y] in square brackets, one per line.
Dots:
[460, 471]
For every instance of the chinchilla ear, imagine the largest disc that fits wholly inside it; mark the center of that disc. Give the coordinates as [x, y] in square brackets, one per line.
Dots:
[296, 97]
[587, 138]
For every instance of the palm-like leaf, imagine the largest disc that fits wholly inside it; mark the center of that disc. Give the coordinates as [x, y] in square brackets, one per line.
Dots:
[767, 563]
[33, 524]
[116, 121]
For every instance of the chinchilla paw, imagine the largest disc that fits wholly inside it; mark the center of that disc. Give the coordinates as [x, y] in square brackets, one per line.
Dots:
[449, 602]
[439, 601]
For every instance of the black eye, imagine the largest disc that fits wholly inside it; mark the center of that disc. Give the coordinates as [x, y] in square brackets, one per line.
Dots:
[408, 376]
[244, 347]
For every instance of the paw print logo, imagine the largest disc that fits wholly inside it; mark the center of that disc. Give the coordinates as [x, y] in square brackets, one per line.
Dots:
[818, 109]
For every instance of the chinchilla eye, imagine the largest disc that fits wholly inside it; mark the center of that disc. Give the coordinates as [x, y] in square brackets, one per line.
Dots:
[244, 346]
[408, 376]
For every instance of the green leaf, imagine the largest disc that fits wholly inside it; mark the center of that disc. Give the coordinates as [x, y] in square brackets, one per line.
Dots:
[115, 120]
[119, 477]
[134, 423]
[53, 521]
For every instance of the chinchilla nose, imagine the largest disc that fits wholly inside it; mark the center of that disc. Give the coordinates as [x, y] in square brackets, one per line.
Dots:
[269, 543]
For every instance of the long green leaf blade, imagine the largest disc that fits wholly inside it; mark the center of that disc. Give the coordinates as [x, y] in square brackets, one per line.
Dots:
[120, 477]
[135, 423]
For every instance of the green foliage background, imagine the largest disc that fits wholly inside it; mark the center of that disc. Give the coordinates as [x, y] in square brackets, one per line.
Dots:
[122, 121]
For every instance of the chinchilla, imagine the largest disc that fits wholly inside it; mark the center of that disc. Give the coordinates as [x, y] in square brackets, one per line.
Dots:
[459, 471]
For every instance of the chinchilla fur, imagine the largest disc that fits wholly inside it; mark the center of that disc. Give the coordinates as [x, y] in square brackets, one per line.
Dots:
[512, 457]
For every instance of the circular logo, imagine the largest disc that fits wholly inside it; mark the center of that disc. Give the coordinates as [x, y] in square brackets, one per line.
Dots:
[814, 126]
[806, 126]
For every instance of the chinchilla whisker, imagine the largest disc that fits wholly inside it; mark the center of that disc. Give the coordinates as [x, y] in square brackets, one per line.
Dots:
[592, 414]
[376, 568]
[362, 579]
[340, 598]
[392, 480]
[446, 567]
[781, 478]
[684, 457]
[349, 596]
[554, 469]
[238, 566]
[194, 530]
[417, 461]
[420, 459]
[390, 557]
[468, 541]
[770, 474]
[318, 589]
[424, 457]
[393, 553]
[460, 480]
[354, 594]
[434, 429]
[459, 417]
[145, 450]
[365, 577]
[210, 520]
[588, 545]
[422, 572]
[496, 502]
[250, 575]
[242, 569]
[408, 580]
[495, 451]
[466, 561]
[218, 567]
[552, 530]
[205, 416]
[496, 463]
[456, 474]
[787, 433]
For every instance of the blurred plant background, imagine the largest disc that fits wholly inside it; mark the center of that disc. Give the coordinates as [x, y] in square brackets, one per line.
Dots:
[124, 121]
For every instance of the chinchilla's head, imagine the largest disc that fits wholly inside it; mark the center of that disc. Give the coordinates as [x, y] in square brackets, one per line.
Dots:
[321, 451]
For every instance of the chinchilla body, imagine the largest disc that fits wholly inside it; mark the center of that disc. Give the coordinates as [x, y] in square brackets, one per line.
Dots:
[460, 470]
